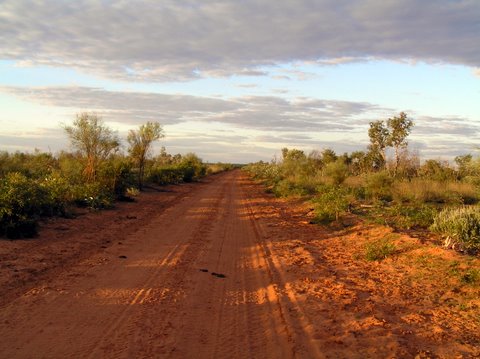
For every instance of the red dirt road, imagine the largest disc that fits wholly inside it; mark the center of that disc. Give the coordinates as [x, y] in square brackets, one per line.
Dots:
[216, 270]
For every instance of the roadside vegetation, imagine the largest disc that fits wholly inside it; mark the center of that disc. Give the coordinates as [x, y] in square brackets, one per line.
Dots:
[386, 184]
[96, 173]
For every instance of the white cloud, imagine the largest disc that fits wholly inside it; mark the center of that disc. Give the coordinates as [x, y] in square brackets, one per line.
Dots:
[173, 40]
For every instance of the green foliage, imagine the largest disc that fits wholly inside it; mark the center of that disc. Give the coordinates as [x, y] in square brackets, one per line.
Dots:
[22, 201]
[179, 169]
[378, 134]
[437, 171]
[378, 186]
[409, 216]
[140, 142]
[461, 226]
[116, 175]
[169, 174]
[93, 195]
[94, 141]
[192, 167]
[471, 276]
[330, 203]
[379, 250]
[32, 165]
[336, 172]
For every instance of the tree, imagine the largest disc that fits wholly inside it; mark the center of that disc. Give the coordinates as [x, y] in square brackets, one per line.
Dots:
[393, 134]
[328, 156]
[379, 135]
[399, 128]
[140, 142]
[94, 141]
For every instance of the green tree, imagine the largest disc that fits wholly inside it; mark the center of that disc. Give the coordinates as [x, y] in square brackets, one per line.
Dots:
[464, 165]
[379, 139]
[399, 127]
[140, 142]
[328, 156]
[94, 141]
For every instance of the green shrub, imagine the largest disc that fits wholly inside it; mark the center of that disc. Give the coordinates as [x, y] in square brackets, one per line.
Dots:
[330, 203]
[378, 186]
[93, 195]
[461, 226]
[22, 201]
[336, 172]
[411, 216]
[166, 175]
[379, 249]
[472, 276]
[192, 167]
[295, 186]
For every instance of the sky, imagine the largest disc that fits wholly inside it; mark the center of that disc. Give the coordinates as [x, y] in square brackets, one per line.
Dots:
[235, 81]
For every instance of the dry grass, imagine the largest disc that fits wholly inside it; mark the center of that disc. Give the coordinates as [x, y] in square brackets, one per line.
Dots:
[429, 191]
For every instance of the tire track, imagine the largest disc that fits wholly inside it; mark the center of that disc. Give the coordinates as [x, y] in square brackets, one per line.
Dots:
[293, 315]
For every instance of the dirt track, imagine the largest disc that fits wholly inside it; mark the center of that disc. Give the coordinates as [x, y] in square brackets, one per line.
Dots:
[216, 270]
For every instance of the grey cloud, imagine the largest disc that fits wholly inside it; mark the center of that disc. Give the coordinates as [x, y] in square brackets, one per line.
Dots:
[51, 140]
[441, 126]
[302, 121]
[268, 113]
[187, 39]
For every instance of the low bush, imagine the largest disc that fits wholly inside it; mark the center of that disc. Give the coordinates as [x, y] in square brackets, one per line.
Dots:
[336, 172]
[330, 203]
[379, 250]
[471, 276]
[23, 201]
[411, 216]
[378, 186]
[166, 175]
[460, 226]
[93, 195]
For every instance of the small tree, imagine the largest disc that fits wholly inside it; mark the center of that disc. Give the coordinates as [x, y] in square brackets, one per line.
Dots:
[140, 142]
[379, 135]
[94, 141]
[393, 134]
[399, 129]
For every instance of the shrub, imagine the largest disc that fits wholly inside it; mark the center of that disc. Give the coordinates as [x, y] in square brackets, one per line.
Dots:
[379, 249]
[330, 203]
[472, 276]
[192, 167]
[336, 172]
[461, 226]
[19, 203]
[93, 195]
[378, 186]
[410, 216]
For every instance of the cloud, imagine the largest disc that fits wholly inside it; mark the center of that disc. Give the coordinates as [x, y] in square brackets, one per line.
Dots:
[266, 113]
[249, 124]
[441, 126]
[174, 40]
